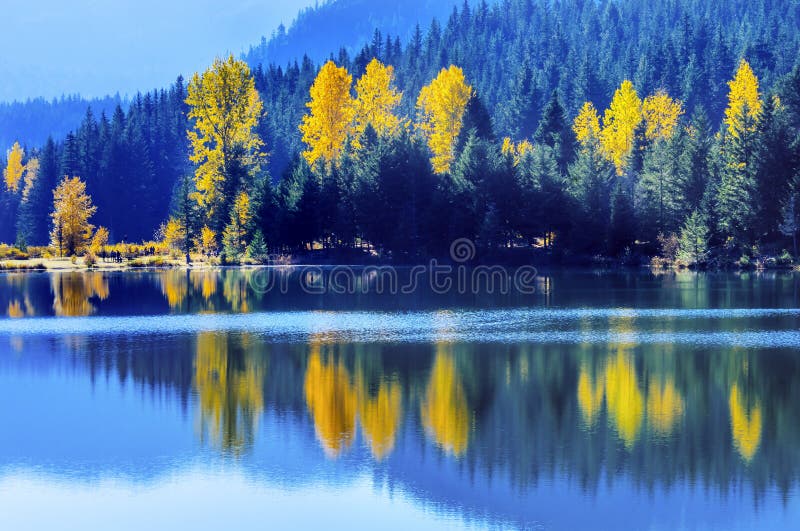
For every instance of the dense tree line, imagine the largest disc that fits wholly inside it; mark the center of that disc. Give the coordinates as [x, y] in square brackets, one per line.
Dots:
[526, 158]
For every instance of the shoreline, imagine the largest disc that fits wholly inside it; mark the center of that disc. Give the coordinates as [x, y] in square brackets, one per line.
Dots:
[67, 265]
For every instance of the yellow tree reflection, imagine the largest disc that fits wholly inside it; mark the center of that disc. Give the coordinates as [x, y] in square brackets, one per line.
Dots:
[236, 290]
[205, 282]
[228, 387]
[624, 398]
[746, 424]
[664, 406]
[72, 291]
[590, 395]
[175, 287]
[331, 399]
[380, 416]
[445, 414]
[15, 310]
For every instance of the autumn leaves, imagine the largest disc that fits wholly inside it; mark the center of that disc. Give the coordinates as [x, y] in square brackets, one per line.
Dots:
[335, 117]
[659, 113]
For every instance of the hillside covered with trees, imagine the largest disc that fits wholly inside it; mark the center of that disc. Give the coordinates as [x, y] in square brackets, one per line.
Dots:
[622, 129]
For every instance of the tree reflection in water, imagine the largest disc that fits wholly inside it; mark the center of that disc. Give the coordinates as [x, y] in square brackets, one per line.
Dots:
[228, 380]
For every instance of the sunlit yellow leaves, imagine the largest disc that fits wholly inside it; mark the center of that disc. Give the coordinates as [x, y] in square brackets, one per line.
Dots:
[174, 234]
[441, 106]
[445, 414]
[225, 108]
[746, 424]
[376, 101]
[744, 101]
[664, 406]
[72, 293]
[208, 240]
[516, 150]
[329, 120]
[72, 210]
[587, 125]
[12, 175]
[619, 125]
[661, 114]
[332, 401]
[99, 240]
[229, 392]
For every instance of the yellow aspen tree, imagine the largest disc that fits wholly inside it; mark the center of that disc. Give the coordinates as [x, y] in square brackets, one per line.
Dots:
[587, 125]
[619, 125]
[225, 108]
[72, 209]
[744, 101]
[376, 101]
[14, 168]
[99, 240]
[208, 240]
[441, 106]
[329, 119]
[661, 114]
[516, 151]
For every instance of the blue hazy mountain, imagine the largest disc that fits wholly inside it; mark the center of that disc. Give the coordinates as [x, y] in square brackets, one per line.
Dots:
[326, 28]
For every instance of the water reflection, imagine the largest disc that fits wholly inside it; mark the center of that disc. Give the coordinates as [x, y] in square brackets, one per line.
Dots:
[508, 433]
[228, 382]
[72, 293]
[745, 423]
[445, 414]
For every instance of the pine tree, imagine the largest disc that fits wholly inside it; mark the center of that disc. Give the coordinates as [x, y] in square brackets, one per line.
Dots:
[694, 240]
[554, 131]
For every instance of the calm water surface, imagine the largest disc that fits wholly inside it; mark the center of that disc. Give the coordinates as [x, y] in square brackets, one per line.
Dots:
[167, 400]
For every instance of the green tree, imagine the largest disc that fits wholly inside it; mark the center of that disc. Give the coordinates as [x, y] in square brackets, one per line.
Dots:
[694, 240]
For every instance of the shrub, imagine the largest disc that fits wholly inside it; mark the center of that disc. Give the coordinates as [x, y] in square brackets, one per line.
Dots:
[90, 260]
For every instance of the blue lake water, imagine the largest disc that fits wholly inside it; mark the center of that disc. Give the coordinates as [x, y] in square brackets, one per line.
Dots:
[169, 400]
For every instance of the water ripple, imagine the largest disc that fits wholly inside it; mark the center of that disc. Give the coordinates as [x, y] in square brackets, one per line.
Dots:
[501, 326]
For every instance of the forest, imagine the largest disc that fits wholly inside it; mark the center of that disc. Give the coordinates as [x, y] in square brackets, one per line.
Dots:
[574, 131]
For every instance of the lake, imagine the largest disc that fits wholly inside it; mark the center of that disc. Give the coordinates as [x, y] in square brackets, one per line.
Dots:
[302, 398]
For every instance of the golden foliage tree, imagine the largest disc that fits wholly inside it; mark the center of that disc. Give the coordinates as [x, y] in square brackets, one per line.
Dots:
[208, 240]
[441, 106]
[376, 101]
[72, 209]
[225, 109]
[661, 114]
[744, 101]
[329, 120]
[99, 240]
[619, 125]
[587, 125]
[12, 175]
[174, 235]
